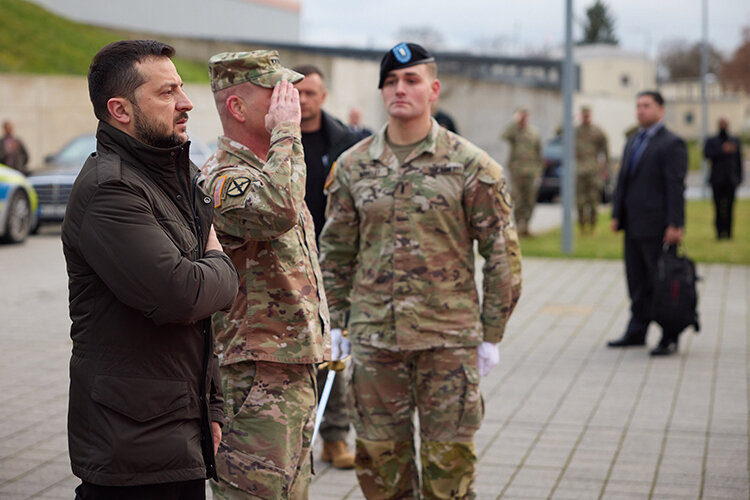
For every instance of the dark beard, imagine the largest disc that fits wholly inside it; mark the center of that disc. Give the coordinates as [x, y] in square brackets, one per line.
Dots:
[148, 134]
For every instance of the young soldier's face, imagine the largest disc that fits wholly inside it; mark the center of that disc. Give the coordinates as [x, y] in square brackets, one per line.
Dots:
[408, 92]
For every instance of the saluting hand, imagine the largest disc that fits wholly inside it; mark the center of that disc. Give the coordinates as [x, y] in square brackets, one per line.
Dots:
[284, 106]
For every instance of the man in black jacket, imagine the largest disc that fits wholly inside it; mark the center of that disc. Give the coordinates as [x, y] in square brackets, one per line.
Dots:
[649, 205]
[146, 272]
[725, 153]
[324, 138]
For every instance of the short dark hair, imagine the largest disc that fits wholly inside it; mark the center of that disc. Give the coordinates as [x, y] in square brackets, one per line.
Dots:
[309, 69]
[653, 94]
[113, 73]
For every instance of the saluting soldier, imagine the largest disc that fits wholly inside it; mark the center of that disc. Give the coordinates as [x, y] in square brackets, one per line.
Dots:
[592, 158]
[404, 209]
[277, 329]
[525, 166]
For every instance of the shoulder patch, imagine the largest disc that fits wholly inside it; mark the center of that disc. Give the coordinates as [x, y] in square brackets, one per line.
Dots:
[329, 179]
[237, 186]
[217, 190]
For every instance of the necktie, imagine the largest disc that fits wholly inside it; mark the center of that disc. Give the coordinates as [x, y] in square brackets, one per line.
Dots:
[635, 151]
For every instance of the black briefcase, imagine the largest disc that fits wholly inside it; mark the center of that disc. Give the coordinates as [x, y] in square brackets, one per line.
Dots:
[675, 299]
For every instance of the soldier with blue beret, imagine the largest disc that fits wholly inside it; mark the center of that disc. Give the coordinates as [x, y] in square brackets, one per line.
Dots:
[397, 254]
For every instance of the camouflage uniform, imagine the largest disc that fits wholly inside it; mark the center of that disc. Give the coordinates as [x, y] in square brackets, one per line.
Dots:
[591, 142]
[278, 326]
[397, 254]
[525, 166]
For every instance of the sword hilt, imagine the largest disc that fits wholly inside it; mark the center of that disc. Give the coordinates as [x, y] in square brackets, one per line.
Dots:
[336, 365]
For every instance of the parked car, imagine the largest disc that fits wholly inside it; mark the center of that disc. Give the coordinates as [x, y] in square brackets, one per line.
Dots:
[54, 183]
[550, 185]
[18, 205]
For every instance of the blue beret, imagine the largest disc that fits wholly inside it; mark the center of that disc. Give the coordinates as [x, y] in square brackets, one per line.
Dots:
[403, 55]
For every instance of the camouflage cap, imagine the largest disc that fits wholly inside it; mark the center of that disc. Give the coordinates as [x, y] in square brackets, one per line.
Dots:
[585, 108]
[259, 67]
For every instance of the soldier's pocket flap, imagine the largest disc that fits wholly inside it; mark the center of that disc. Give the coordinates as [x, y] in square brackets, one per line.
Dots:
[141, 399]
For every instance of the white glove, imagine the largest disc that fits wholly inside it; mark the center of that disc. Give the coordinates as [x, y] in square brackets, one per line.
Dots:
[340, 345]
[488, 355]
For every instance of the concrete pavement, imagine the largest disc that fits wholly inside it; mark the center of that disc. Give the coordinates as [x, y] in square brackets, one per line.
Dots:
[565, 417]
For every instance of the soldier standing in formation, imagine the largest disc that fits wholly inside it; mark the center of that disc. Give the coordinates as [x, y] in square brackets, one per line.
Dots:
[525, 166]
[277, 328]
[405, 206]
[591, 162]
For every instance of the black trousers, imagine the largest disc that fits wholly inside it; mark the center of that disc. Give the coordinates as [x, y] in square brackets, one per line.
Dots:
[724, 207]
[641, 256]
[184, 490]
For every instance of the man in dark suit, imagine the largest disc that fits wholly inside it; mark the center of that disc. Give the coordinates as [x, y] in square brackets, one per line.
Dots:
[649, 205]
[725, 153]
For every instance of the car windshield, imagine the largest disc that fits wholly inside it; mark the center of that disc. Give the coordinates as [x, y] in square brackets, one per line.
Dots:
[77, 150]
[553, 149]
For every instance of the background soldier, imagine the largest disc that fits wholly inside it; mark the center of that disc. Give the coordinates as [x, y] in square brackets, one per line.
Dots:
[278, 326]
[592, 159]
[405, 206]
[324, 138]
[525, 166]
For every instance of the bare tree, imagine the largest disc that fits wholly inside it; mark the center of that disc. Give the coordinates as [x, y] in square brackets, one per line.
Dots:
[736, 71]
[681, 59]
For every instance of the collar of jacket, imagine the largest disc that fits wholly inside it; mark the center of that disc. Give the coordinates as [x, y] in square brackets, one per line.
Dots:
[379, 147]
[333, 128]
[160, 162]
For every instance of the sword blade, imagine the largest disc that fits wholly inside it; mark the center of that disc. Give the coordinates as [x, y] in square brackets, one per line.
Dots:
[322, 403]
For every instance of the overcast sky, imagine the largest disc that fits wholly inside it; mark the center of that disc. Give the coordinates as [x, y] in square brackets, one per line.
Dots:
[641, 25]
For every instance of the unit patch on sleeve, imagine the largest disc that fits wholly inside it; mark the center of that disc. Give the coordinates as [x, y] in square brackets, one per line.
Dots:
[238, 186]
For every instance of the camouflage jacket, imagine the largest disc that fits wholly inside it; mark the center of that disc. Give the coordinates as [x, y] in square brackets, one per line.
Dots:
[397, 249]
[525, 150]
[263, 223]
[591, 142]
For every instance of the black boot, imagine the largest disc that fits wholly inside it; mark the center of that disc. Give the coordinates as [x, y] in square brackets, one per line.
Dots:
[628, 339]
[667, 346]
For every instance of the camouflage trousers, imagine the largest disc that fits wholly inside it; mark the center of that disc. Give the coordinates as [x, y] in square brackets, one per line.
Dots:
[588, 189]
[265, 449]
[386, 388]
[523, 192]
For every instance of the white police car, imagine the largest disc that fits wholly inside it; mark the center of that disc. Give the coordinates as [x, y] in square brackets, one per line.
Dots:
[18, 206]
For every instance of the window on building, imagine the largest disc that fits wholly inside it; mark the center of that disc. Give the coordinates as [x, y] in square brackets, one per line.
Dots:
[625, 80]
[689, 118]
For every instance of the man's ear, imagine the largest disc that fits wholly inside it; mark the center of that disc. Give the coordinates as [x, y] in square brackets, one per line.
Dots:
[120, 109]
[435, 87]
[236, 108]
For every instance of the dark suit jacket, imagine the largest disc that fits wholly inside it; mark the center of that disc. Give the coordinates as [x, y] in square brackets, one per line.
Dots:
[652, 197]
[726, 168]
